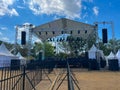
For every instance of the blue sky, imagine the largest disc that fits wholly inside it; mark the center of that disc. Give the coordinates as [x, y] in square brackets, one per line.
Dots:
[37, 12]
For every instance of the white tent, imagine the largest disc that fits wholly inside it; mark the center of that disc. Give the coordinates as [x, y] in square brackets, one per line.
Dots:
[118, 56]
[111, 56]
[92, 52]
[5, 56]
[5, 51]
[22, 59]
[95, 53]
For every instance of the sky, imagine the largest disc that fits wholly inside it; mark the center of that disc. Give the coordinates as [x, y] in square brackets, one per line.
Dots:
[37, 12]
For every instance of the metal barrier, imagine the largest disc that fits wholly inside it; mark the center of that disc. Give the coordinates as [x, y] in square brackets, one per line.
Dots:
[19, 78]
[26, 78]
[69, 78]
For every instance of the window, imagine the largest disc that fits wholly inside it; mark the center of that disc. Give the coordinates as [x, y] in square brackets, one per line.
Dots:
[78, 31]
[39, 33]
[46, 33]
[61, 32]
[85, 31]
[53, 32]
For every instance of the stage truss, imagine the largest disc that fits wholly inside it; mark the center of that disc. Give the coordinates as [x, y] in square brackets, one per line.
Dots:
[59, 27]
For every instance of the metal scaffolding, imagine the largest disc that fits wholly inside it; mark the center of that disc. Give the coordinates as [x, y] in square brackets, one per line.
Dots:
[113, 33]
[30, 33]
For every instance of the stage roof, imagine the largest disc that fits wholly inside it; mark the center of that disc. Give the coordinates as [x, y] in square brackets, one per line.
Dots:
[64, 26]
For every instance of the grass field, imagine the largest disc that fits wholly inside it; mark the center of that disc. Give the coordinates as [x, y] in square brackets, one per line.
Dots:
[88, 80]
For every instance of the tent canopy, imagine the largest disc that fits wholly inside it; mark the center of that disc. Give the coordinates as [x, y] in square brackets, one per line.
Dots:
[5, 56]
[93, 52]
[93, 48]
[4, 51]
[118, 54]
[111, 56]
[20, 56]
[22, 59]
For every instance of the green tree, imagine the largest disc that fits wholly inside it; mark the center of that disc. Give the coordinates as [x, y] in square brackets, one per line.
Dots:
[47, 47]
[106, 50]
[108, 47]
[49, 50]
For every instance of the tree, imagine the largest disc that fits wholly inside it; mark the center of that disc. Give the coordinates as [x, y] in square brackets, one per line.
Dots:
[106, 50]
[38, 47]
[49, 50]
[74, 45]
[108, 47]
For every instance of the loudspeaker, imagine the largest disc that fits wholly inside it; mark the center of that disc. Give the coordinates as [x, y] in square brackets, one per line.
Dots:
[104, 35]
[23, 38]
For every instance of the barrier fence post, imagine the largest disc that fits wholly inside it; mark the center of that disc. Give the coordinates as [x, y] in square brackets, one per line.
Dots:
[23, 88]
[69, 78]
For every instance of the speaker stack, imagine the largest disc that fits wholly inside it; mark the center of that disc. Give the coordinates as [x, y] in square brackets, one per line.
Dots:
[23, 38]
[104, 35]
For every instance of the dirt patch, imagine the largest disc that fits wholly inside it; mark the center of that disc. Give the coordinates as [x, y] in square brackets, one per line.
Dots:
[88, 80]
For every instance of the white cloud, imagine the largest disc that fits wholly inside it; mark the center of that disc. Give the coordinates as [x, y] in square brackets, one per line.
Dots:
[0, 33]
[20, 7]
[85, 15]
[67, 8]
[88, 1]
[13, 12]
[24, 1]
[96, 10]
[5, 39]
[3, 28]
[6, 8]
[86, 21]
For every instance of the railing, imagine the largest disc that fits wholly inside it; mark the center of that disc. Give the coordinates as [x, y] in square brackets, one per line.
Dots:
[69, 78]
[27, 77]
[23, 77]
[19, 78]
